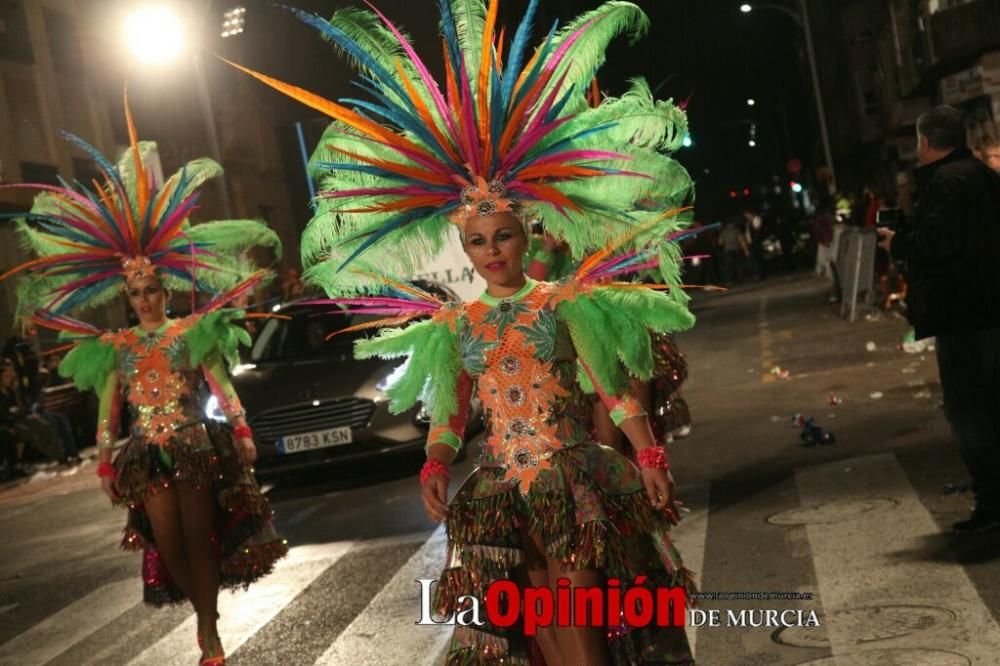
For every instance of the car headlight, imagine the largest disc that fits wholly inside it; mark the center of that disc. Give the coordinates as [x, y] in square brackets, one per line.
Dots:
[391, 378]
[213, 411]
[240, 368]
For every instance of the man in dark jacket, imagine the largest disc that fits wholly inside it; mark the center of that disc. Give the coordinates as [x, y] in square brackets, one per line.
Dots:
[950, 248]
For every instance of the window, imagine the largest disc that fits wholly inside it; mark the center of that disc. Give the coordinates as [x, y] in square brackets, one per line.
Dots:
[64, 43]
[32, 172]
[15, 42]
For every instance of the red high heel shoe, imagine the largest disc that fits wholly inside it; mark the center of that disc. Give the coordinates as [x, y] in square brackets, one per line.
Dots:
[217, 658]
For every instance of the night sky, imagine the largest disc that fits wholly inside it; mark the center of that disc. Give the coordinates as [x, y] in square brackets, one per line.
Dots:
[705, 50]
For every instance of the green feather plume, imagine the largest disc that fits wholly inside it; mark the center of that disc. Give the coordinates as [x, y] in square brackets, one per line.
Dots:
[625, 317]
[89, 364]
[431, 371]
[216, 332]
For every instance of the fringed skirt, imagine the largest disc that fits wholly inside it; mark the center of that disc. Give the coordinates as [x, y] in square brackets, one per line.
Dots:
[592, 512]
[670, 410]
[202, 455]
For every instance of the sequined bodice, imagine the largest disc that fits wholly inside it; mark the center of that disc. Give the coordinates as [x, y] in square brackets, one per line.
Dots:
[157, 380]
[524, 365]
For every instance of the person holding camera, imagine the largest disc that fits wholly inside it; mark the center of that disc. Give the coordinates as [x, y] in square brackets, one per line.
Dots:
[948, 248]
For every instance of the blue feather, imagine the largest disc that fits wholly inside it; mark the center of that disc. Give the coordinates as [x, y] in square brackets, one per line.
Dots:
[110, 170]
[84, 294]
[536, 69]
[533, 157]
[558, 106]
[341, 38]
[362, 168]
[416, 125]
[450, 36]
[388, 228]
[496, 122]
[516, 59]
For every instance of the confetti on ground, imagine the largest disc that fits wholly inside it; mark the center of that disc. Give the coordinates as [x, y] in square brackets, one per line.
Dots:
[876, 395]
[871, 346]
[780, 372]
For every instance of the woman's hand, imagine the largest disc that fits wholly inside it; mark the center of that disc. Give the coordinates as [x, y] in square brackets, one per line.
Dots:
[660, 488]
[108, 486]
[434, 493]
[246, 451]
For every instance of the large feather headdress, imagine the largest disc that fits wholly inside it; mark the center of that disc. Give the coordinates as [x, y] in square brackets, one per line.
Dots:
[506, 130]
[88, 237]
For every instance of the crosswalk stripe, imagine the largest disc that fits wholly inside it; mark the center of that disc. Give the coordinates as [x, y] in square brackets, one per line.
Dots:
[394, 612]
[875, 563]
[244, 613]
[60, 631]
[690, 535]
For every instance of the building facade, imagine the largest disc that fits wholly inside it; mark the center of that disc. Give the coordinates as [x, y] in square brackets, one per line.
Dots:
[63, 64]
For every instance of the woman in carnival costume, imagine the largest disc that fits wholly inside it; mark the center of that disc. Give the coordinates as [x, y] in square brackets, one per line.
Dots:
[194, 508]
[496, 145]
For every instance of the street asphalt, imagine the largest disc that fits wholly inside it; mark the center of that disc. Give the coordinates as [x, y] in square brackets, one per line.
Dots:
[861, 525]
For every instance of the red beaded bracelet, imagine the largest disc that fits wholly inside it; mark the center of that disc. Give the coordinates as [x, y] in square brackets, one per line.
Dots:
[654, 457]
[242, 432]
[432, 467]
[107, 470]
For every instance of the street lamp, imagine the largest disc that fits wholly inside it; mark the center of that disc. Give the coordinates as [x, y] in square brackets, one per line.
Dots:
[155, 35]
[687, 142]
[801, 19]
[751, 101]
[752, 143]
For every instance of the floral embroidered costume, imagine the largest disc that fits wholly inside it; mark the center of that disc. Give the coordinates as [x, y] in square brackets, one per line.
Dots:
[539, 467]
[85, 239]
[511, 132]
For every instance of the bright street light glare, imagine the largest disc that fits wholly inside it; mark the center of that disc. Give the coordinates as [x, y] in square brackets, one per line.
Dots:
[687, 142]
[154, 34]
[752, 143]
[746, 8]
[751, 101]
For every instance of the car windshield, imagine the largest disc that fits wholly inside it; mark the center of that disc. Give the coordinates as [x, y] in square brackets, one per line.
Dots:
[304, 335]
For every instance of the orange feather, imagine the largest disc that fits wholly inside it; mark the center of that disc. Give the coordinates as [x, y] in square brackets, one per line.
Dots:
[557, 171]
[141, 181]
[335, 111]
[482, 89]
[395, 167]
[425, 113]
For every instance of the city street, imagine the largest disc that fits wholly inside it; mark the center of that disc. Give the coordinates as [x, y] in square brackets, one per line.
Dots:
[862, 524]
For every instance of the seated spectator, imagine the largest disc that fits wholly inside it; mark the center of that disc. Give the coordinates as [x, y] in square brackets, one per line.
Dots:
[27, 428]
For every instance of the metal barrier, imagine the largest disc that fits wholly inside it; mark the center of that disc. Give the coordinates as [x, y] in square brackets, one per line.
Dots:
[856, 268]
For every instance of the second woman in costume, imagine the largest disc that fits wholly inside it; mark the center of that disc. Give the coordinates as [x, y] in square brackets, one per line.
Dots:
[194, 509]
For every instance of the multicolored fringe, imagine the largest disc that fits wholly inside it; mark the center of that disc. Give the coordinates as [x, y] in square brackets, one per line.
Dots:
[247, 543]
[592, 513]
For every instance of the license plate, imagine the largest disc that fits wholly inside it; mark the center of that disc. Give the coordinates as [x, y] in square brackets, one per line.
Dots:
[321, 439]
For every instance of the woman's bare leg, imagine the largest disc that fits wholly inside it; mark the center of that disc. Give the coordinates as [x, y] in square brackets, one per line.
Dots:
[583, 645]
[536, 572]
[164, 511]
[198, 522]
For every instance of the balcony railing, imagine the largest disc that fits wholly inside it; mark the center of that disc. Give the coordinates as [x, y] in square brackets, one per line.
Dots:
[966, 30]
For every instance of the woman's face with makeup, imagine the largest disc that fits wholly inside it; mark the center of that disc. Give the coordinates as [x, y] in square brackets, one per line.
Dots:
[496, 245]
